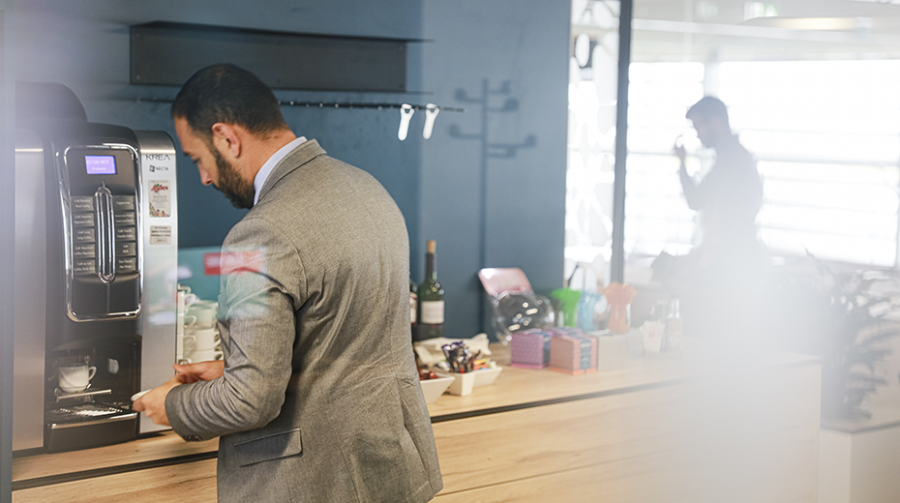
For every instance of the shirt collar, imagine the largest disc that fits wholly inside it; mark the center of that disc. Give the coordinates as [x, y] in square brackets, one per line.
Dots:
[263, 174]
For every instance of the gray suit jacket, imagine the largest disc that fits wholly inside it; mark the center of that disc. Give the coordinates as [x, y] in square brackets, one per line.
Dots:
[320, 400]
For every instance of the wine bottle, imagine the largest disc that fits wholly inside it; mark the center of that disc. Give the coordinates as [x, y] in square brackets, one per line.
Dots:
[431, 300]
[673, 326]
[413, 303]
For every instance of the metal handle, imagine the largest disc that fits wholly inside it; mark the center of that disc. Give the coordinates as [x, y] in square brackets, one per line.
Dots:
[65, 395]
[106, 234]
[106, 420]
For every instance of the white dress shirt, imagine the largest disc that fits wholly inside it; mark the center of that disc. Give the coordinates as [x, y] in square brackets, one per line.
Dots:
[263, 174]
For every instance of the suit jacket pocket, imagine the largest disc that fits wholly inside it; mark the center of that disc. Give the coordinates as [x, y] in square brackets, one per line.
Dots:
[268, 447]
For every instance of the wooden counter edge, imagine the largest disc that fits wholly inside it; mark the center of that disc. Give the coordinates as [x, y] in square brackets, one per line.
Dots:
[153, 451]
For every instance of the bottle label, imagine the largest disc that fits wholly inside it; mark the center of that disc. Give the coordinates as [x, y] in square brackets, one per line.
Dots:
[432, 312]
[413, 304]
[673, 334]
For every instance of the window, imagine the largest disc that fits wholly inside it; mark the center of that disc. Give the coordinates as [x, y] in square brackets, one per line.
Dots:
[826, 134]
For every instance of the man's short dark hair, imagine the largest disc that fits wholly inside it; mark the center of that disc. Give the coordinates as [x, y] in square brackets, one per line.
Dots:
[707, 108]
[231, 95]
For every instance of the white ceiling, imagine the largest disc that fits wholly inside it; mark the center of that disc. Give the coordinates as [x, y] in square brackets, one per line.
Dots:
[703, 30]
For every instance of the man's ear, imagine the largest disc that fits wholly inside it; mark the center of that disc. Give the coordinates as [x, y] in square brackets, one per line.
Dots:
[226, 139]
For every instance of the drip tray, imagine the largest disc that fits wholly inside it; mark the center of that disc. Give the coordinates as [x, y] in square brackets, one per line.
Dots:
[83, 412]
[88, 425]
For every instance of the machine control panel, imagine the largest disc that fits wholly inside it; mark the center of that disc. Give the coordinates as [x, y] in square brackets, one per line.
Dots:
[100, 191]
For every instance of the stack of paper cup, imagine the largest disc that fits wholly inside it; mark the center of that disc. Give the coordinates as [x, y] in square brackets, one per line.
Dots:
[652, 332]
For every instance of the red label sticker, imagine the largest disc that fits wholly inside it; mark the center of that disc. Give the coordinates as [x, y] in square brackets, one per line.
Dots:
[236, 262]
[233, 262]
[211, 262]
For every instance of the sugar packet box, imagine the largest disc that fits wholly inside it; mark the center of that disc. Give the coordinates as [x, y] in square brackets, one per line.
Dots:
[530, 349]
[555, 331]
[573, 354]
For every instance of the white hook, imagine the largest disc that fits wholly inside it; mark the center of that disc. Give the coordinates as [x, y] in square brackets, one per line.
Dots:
[431, 112]
[406, 113]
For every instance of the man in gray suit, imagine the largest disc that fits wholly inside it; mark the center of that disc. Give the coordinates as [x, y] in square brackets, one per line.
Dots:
[317, 399]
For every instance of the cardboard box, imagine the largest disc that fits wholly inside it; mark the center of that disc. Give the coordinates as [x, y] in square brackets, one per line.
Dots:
[573, 354]
[531, 348]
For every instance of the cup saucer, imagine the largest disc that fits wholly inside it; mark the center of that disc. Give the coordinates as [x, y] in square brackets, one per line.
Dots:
[139, 394]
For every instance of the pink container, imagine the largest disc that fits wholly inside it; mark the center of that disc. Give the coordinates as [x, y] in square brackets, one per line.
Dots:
[530, 349]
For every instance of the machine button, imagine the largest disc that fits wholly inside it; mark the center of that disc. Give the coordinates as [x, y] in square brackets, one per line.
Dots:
[125, 234]
[83, 219]
[123, 203]
[125, 218]
[124, 265]
[85, 267]
[85, 251]
[84, 235]
[126, 249]
[82, 203]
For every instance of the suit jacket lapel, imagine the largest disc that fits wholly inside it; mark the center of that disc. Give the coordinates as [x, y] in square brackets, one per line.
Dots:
[301, 155]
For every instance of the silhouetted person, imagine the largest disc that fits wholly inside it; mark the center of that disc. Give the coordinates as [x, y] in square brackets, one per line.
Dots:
[730, 195]
[719, 279]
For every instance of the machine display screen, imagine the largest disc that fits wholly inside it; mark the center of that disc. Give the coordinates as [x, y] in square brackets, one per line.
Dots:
[100, 164]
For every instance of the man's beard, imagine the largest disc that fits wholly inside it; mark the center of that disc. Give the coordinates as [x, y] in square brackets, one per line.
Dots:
[236, 189]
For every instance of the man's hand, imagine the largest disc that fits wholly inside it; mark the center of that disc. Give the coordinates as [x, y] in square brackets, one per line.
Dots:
[203, 371]
[679, 151]
[153, 404]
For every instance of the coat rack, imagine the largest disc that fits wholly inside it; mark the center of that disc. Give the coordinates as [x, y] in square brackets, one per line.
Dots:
[406, 110]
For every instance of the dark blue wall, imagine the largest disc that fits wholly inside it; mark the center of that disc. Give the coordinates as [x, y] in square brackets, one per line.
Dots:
[85, 46]
[437, 183]
[511, 50]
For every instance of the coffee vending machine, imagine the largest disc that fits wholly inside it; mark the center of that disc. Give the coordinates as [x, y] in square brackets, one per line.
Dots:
[96, 257]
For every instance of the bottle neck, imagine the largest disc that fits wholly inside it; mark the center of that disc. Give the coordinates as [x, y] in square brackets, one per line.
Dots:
[430, 268]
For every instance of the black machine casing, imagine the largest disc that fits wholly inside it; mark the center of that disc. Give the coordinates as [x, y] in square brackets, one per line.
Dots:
[85, 240]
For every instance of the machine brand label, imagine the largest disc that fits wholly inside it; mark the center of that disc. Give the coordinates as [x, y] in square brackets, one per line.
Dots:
[158, 163]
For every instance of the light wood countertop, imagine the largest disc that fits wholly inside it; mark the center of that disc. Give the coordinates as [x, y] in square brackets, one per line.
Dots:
[515, 388]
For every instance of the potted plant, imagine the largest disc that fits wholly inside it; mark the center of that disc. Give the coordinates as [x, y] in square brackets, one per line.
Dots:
[859, 309]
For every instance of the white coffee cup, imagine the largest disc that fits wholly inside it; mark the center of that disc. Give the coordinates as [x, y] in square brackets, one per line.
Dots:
[190, 299]
[204, 312]
[75, 378]
[202, 338]
[204, 356]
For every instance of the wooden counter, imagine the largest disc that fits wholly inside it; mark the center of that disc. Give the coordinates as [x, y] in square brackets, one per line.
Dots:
[644, 431]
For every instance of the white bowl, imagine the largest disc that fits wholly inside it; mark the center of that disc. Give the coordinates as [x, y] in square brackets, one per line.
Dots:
[434, 388]
[463, 383]
[484, 377]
